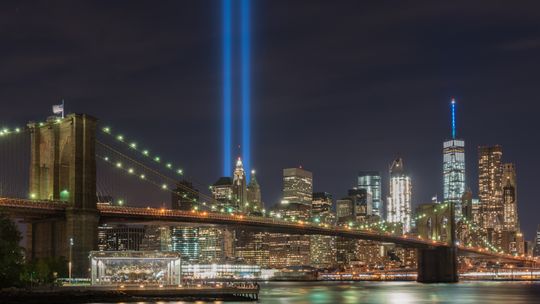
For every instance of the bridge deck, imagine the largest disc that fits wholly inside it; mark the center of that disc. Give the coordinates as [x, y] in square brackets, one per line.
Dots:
[114, 214]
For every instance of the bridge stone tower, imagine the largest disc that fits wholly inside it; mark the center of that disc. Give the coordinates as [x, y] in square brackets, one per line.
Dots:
[437, 264]
[63, 168]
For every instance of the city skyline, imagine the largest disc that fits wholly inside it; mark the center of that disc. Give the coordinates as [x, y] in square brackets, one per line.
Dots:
[148, 100]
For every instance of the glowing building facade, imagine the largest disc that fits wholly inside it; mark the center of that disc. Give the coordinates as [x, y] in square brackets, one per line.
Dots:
[185, 240]
[490, 186]
[254, 196]
[454, 167]
[371, 181]
[322, 247]
[240, 194]
[399, 200]
[511, 219]
[297, 186]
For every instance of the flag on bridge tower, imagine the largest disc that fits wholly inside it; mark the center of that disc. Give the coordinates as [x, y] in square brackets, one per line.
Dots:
[59, 109]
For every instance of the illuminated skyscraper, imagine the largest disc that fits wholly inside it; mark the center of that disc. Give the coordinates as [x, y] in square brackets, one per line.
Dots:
[399, 202]
[322, 247]
[186, 241]
[254, 195]
[297, 186]
[511, 219]
[222, 192]
[490, 186]
[454, 167]
[371, 181]
[297, 192]
[536, 251]
[240, 186]
[286, 249]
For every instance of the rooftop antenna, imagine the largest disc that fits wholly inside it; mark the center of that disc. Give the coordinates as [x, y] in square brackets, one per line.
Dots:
[453, 105]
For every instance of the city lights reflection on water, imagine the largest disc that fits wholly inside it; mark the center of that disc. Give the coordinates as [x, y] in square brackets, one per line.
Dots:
[394, 292]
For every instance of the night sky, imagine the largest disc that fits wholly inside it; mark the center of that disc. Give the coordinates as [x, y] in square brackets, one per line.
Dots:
[337, 86]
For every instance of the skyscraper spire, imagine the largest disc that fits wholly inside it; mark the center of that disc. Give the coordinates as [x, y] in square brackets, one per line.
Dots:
[453, 105]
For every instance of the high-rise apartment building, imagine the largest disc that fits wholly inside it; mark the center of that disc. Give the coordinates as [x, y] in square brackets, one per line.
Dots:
[454, 167]
[399, 200]
[371, 181]
[490, 186]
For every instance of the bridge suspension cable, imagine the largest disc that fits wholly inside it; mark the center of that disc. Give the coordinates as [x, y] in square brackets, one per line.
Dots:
[169, 167]
[143, 152]
[145, 177]
[14, 162]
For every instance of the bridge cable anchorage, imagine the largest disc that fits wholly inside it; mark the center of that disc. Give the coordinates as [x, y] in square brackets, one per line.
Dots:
[168, 178]
[145, 153]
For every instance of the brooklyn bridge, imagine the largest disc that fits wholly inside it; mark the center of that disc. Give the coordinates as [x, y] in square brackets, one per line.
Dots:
[61, 205]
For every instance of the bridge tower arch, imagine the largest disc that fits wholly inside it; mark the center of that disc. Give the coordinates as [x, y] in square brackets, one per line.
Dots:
[437, 264]
[63, 168]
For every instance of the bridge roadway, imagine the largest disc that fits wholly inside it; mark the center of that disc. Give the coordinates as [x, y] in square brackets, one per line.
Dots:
[34, 209]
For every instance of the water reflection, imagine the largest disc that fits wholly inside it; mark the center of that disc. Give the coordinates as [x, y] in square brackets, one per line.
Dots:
[395, 293]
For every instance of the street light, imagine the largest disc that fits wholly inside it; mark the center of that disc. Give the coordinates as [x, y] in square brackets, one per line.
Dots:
[70, 257]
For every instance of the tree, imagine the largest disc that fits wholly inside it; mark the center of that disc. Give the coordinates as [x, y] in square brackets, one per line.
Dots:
[11, 254]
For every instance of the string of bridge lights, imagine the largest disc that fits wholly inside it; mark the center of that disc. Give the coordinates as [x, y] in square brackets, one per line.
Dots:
[381, 224]
[11, 131]
[144, 152]
[474, 227]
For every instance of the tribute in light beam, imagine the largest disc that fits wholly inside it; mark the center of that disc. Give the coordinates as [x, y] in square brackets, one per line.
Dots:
[227, 87]
[245, 83]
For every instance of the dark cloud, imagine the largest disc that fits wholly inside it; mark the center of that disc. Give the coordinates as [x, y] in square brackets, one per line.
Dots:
[338, 86]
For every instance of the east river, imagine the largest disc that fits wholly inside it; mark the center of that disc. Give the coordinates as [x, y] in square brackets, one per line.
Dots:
[395, 292]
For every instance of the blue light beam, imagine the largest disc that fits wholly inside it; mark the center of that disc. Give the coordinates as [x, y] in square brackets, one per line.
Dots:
[227, 87]
[246, 85]
[453, 118]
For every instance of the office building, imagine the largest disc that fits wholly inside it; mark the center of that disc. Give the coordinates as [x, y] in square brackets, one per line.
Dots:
[240, 194]
[216, 245]
[120, 238]
[254, 198]
[297, 186]
[454, 167]
[511, 218]
[222, 193]
[399, 200]
[185, 240]
[371, 181]
[156, 238]
[252, 247]
[536, 250]
[185, 196]
[322, 247]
